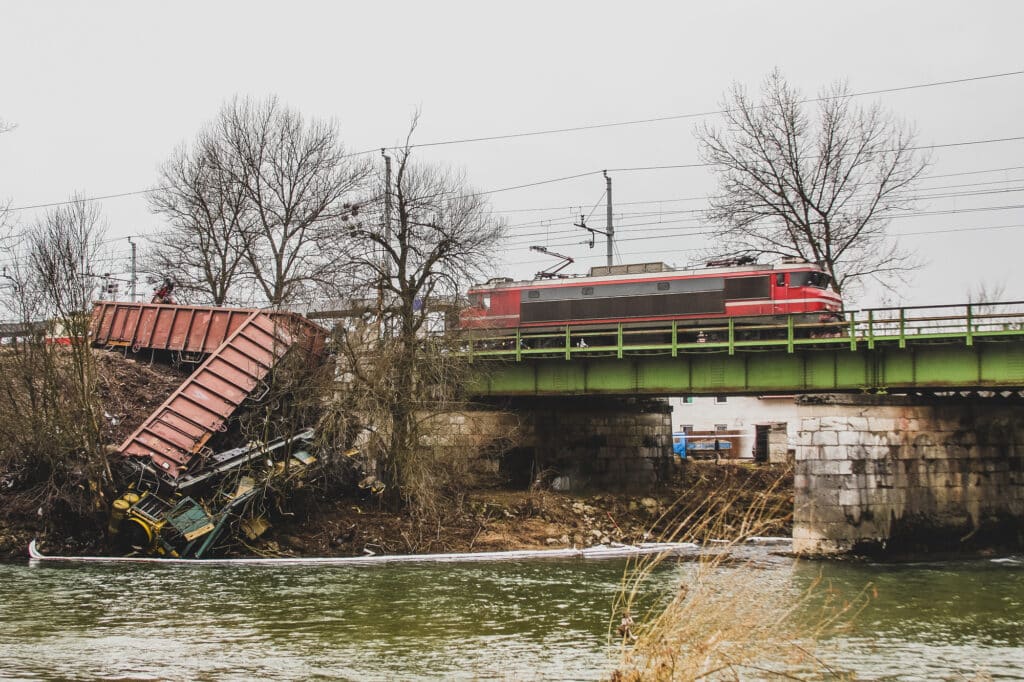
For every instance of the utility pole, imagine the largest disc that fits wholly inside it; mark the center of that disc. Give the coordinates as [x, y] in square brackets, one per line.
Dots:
[133, 269]
[609, 230]
[387, 197]
[385, 274]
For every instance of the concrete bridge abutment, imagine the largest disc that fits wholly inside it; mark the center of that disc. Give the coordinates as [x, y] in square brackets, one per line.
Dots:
[888, 475]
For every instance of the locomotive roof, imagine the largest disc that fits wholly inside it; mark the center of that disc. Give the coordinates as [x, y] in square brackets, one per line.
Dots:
[507, 282]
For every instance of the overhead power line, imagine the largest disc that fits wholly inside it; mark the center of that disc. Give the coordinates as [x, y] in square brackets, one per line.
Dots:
[549, 181]
[595, 126]
[575, 208]
[701, 114]
[698, 249]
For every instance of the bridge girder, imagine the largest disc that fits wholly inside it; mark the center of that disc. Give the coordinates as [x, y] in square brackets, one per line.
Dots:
[985, 365]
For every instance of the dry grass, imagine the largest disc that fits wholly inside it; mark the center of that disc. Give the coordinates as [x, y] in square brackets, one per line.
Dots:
[721, 621]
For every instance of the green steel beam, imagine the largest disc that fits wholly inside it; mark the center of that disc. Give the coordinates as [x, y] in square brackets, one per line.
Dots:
[936, 367]
[926, 367]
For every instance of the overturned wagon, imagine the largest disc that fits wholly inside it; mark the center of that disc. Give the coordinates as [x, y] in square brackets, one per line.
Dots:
[164, 510]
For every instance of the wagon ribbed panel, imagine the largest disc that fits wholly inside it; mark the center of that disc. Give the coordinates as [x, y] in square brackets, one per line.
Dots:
[229, 391]
[189, 428]
[176, 439]
[242, 361]
[193, 329]
[226, 371]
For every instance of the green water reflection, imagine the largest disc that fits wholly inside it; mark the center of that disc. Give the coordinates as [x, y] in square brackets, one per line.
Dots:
[506, 621]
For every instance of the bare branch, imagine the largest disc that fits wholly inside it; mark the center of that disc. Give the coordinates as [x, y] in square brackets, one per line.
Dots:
[822, 189]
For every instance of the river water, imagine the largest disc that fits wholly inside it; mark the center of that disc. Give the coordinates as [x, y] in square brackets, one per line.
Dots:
[542, 619]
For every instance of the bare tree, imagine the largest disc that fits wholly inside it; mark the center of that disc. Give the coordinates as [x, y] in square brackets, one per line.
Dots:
[50, 424]
[398, 373]
[821, 186]
[298, 184]
[63, 248]
[985, 291]
[5, 205]
[257, 202]
[208, 217]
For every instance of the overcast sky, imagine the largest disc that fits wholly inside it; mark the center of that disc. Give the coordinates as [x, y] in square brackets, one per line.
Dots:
[101, 92]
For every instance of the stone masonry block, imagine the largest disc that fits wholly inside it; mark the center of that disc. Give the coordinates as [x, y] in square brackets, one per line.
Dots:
[833, 424]
[840, 452]
[808, 424]
[807, 453]
[849, 498]
[825, 438]
[881, 424]
[857, 423]
[851, 437]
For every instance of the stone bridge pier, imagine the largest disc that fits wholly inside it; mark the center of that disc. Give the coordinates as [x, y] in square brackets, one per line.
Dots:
[910, 474]
[571, 443]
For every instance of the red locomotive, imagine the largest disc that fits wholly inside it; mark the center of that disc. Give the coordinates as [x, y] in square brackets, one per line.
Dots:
[649, 293]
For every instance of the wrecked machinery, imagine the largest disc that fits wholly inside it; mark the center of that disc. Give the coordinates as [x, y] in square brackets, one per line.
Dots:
[183, 495]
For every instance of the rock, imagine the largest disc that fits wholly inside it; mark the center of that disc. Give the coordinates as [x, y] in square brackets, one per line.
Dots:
[295, 543]
[552, 541]
[564, 539]
[650, 505]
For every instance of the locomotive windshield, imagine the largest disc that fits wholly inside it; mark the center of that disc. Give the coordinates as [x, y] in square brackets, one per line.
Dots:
[818, 280]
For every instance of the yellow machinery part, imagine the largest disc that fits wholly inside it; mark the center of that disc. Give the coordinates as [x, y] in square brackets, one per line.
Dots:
[150, 529]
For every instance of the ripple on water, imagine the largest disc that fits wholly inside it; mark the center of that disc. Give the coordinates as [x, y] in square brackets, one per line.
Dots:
[516, 621]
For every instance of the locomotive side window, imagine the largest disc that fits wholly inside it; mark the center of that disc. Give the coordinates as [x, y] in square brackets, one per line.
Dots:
[588, 291]
[533, 294]
[663, 286]
[780, 279]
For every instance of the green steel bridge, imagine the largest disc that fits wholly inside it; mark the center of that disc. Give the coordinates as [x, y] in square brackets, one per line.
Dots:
[915, 348]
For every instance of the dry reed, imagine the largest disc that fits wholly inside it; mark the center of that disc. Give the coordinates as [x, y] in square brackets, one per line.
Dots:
[720, 620]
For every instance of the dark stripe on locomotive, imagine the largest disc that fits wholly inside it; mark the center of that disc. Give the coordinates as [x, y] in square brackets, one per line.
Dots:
[639, 299]
[741, 288]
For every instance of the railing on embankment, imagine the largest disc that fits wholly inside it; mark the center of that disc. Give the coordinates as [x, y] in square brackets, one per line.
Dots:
[911, 347]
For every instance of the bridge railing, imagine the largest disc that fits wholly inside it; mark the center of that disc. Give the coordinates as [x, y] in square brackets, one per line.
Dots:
[896, 326]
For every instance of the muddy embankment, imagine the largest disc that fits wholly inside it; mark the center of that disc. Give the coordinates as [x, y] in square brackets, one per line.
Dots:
[342, 523]
[491, 519]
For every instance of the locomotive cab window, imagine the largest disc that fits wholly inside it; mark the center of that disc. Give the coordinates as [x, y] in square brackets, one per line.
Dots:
[819, 280]
[780, 279]
[486, 301]
[475, 301]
